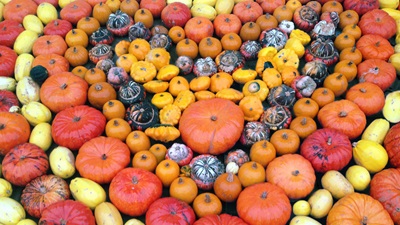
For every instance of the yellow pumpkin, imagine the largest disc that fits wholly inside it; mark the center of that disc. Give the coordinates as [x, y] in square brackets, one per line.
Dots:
[392, 4]
[162, 99]
[178, 84]
[252, 107]
[163, 133]
[170, 114]
[122, 47]
[139, 48]
[62, 162]
[301, 35]
[220, 81]
[370, 155]
[243, 75]
[156, 86]
[285, 58]
[143, 71]
[200, 83]
[267, 51]
[230, 94]
[202, 95]
[184, 99]
[272, 77]
[125, 61]
[264, 62]
[296, 45]
[167, 72]
[256, 88]
[159, 57]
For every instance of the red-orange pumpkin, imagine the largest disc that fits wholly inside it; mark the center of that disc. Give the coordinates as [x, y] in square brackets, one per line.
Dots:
[343, 115]
[356, 208]
[385, 187]
[24, 163]
[17, 9]
[211, 126]
[392, 145]
[48, 44]
[54, 63]
[170, 211]
[68, 212]
[376, 71]
[133, 190]
[198, 28]
[368, 96]
[74, 126]
[264, 203]
[373, 46]
[101, 158]
[247, 11]
[14, 130]
[222, 219]
[378, 22]
[63, 91]
[293, 173]
[75, 11]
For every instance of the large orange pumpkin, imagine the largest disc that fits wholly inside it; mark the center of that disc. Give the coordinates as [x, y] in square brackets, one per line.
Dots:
[358, 208]
[211, 126]
[101, 158]
[14, 130]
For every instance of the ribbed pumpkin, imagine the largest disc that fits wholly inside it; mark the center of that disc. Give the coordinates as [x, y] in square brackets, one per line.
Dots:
[392, 145]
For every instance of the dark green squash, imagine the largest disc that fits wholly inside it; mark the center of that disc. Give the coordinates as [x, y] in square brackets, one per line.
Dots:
[39, 74]
[276, 117]
[131, 92]
[142, 115]
[282, 95]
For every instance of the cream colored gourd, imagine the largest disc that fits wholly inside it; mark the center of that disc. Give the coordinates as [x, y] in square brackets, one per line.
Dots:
[204, 10]
[395, 58]
[391, 109]
[134, 222]
[87, 191]
[208, 2]
[392, 4]
[36, 112]
[63, 3]
[8, 83]
[25, 41]
[303, 220]
[26, 222]
[301, 208]
[46, 12]
[11, 211]
[359, 177]
[224, 6]
[376, 131]
[27, 90]
[33, 23]
[321, 202]
[370, 155]
[188, 3]
[394, 13]
[106, 213]
[6, 189]
[23, 66]
[336, 184]
[62, 162]
[41, 136]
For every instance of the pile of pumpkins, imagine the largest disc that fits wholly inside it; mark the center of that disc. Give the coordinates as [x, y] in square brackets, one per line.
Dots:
[199, 112]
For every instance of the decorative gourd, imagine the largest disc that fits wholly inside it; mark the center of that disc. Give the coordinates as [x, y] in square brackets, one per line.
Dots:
[249, 49]
[160, 40]
[119, 22]
[205, 67]
[100, 52]
[303, 86]
[366, 210]
[269, 204]
[141, 115]
[276, 117]
[222, 219]
[237, 156]
[274, 37]
[8, 100]
[282, 95]
[159, 57]
[383, 187]
[139, 30]
[205, 169]
[131, 92]
[55, 64]
[331, 16]
[228, 61]
[322, 50]
[205, 128]
[101, 36]
[305, 18]
[42, 192]
[254, 131]
[327, 149]
[360, 6]
[293, 173]
[117, 76]
[69, 211]
[24, 163]
[368, 96]
[392, 146]
[101, 158]
[180, 153]
[323, 30]
[317, 70]
[185, 64]
[163, 132]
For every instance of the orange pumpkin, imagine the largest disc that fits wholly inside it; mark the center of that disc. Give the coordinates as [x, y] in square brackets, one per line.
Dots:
[251, 173]
[55, 64]
[227, 187]
[14, 130]
[368, 96]
[207, 204]
[376, 71]
[285, 141]
[206, 128]
[262, 152]
[48, 44]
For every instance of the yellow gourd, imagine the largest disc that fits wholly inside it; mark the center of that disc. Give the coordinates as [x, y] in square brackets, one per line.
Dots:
[184, 99]
[224, 6]
[370, 155]
[162, 99]
[243, 75]
[203, 10]
[336, 184]
[143, 71]
[376, 130]
[170, 114]
[163, 133]
[391, 109]
[156, 86]
[87, 191]
[256, 88]
[230, 94]
[167, 72]
[252, 107]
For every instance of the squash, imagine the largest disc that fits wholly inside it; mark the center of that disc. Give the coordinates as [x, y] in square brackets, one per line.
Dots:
[33, 23]
[36, 112]
[321, 202]
[87, 191]
[8, 83]
[336, 184]
[107, 213]
[303, 220]
[25, 41]
[6, 189]
[62, 162]
[23, 66]
[224, 6]
[41, 136]
[376, 131]
[162, 132]
[359, 177]
[391, 109]
[11, 211]
[27, 90]
[203, 10]
[370, 155]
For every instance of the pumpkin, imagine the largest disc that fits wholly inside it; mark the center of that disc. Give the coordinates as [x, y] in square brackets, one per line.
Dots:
[168, 211]
[269, 6]
[14, 129]
[133, 190]
[391, 143]
[338, 114]
[10, 31]
[226, 23]
[119, 22]
[54, 63]
[237, 156]
[48, 44]
[204, 125]
[383, 187]
[336, 82]
[77, 56]
[305, 107]
[274, 37]
[205, 169]
[8, 57]
[88, 24]
[305, 18]
[293, 173]
[198, 28]
[68, 211]
[144, 16]
[365, 93]
[364, 210]
[282, 95]
[74, 126]
[376, 71]
[159, 57]
[7, 100]
[221, 219]
[24, 163]
[303, 126]
[17, 10]
[327, 149]
[252, 107]
[267, 21]
[142, 115]
[175, 14]
[101, 158]
[42, 192]
[207, 203]
[62, 91]
[227, 187]
[373, 46]
[117, 76]
[378, 22]
[76, 10]
[269, 204]
[247, 11]
[160, 40]
[360, 6]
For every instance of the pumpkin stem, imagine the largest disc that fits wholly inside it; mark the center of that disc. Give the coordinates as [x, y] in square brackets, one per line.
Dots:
[144, 157]
[116, 123]
[377, 43]
[63, 86]
[42, 189]
[329, 142]
[264, 195]
[52, 61]
[295, 173]
[285, 136]
[98, 87]
[76, 119]
[303, 121]
[208, 198]
[135, 180]
[213, 118]
[63, 222]
[363, 90]
[343, 114]
[180, 180]
[2, 126]
[209, 41]
[103, 156]
[254, 166]
[229, 178]
[364, 220]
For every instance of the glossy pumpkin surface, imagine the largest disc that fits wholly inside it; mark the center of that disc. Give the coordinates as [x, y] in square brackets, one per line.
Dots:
[14, 130]
[170, 211]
